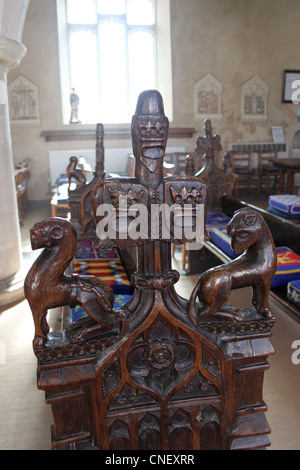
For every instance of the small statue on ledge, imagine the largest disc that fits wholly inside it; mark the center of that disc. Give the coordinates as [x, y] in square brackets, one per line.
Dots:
[74, 102]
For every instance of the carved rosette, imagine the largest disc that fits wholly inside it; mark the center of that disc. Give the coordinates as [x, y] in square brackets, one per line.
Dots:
[161, 358]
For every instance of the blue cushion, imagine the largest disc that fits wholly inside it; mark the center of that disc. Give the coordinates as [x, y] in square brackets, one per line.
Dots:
[270, 169]
[283, 214]
[223, 241]
[216, 220]
[293, 292]
[287, 203]
[244, 171]
[288, 267]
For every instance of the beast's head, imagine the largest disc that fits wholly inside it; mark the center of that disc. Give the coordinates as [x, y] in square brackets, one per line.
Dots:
[245, 228]
[50, 232]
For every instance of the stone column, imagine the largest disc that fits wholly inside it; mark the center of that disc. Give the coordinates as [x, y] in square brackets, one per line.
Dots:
[12, 17]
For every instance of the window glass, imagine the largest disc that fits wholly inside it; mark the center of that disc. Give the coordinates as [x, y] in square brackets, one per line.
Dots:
[142, 71]
[112, 56]
[140, 12]
[111, 7]
[81, 12]
[84, 73]
[113, 70]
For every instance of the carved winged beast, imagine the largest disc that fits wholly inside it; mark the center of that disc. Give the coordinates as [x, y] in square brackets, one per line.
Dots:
[255, 267]
[46, 286]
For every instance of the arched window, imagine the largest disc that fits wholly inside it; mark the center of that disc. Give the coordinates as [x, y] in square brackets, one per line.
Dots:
[109, 51]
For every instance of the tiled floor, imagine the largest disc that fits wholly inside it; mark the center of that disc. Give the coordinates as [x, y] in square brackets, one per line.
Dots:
[26, 419]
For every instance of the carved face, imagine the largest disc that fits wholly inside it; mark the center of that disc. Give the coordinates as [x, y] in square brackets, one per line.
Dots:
[150, 130]
[244, 228]
[49, 232]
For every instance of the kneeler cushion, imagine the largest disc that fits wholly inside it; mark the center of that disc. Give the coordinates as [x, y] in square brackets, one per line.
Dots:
[288, 267]
[216, 220]
[110, 271]
[86, 250]
[222, 240]
[104, 263]
[287, 203]
[293, 292]
[285, 215]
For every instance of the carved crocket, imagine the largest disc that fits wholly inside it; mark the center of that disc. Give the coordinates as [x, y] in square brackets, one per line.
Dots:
[46, 286]
[255, 267]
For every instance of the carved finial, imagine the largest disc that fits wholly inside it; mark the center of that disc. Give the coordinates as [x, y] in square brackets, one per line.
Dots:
[207, 127]
[209, 143]
[99, 170]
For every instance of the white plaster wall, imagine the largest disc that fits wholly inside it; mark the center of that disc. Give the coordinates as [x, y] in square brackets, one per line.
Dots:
[233, 40]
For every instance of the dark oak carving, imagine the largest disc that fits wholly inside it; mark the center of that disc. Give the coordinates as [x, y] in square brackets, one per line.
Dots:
[74, 172]
[154, 378]
[252, 239]
[58, 237]
[216, 180]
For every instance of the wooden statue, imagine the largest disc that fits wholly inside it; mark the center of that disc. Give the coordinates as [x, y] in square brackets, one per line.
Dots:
[74, 172]
[158, 379]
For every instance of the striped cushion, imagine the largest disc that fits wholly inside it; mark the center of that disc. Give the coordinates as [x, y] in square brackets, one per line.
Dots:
[110, 271]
